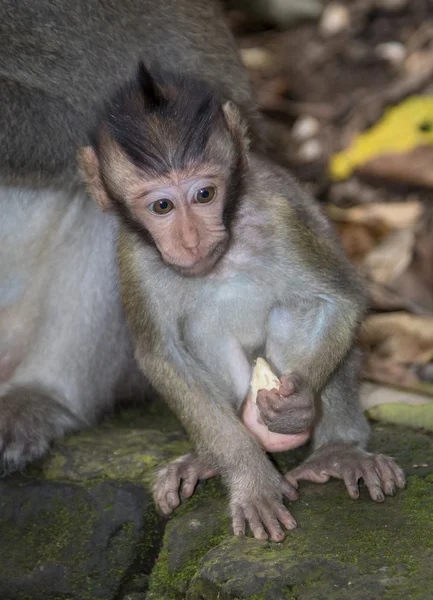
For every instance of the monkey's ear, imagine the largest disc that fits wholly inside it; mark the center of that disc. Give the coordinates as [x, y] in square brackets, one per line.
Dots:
[235, 124]
[149, 88]
[89, 167]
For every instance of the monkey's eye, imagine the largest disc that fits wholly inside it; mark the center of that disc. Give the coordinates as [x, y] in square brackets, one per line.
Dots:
[161, 207]
[204, 195]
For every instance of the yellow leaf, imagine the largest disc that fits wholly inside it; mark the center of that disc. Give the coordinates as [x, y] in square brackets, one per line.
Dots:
[402, 128]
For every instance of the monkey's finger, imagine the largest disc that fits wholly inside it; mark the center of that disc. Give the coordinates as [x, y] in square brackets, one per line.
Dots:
[285, 517]
[399, 476]
[238, 520]
[350, 478]
[307, 473]
[162, 504]
[272, 524]
[255, 522]
[290, 489]
[189, 483]
[288, 386]
[373, 483]
[386, 475]
[208, 473]
[173, 499]
[267, 402]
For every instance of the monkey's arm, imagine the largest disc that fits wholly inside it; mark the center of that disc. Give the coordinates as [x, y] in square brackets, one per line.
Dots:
[223, 444]
[339, 440]
[310, 342]
[312, 331]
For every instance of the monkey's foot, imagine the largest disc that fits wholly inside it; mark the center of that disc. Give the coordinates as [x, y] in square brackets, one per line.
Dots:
[381, 473]
[178, 480]
[263, 511]
[29, 421]
[289, 410]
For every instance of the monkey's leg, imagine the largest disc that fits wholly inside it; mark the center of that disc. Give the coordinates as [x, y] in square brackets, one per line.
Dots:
[178, 480]
[64, 348]
[29, 420]
[339, 441]
[256, 489]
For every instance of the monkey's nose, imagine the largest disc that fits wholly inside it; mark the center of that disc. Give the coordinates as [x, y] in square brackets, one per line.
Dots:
[190, 239]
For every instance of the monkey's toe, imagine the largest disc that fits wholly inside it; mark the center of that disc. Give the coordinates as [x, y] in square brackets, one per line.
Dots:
[179, 479]
[29, 420]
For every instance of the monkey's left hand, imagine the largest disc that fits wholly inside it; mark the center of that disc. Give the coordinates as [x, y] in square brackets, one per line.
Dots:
[289, 410]
[381, 473]
[178, 480]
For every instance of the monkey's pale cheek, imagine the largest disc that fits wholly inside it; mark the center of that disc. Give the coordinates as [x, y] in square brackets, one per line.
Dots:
[271, 442]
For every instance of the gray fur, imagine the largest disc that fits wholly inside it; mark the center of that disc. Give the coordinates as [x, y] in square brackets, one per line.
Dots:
[58, 62]
[283, 290]
[61, 322]
[65, 352]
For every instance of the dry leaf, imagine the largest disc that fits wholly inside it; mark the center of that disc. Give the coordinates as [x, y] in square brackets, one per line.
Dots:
[395, 342]
[357, 240]
[396, 215]
[412, 168]
[374, 395]
[257, 58]
[391, 257]
[417, 417]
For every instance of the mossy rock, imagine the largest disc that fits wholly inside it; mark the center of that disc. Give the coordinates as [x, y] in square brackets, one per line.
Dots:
[82, 525]
[342, 548]
[113, 453]
[61, 541]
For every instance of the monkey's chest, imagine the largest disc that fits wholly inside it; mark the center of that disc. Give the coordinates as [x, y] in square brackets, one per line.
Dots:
[238, 310]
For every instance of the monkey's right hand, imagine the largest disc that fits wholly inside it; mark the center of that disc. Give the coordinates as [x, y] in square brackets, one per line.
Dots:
[178, 480]
[289, 410]
[260, 504]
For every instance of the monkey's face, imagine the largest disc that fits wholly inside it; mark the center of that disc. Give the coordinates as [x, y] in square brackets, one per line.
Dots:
[184, 216]
[170, 158]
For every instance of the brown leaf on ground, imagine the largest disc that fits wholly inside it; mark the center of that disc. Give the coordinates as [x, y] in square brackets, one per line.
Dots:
[373, 394]
[391, 257]
[395, 215]
[414, 285]
[397, 343]
[412, 168]
[358, 240]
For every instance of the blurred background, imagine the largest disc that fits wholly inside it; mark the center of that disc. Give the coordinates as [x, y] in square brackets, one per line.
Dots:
[347, 90]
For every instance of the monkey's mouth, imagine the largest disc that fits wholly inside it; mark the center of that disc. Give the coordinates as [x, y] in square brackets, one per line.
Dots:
[201, 267]
[204, 265]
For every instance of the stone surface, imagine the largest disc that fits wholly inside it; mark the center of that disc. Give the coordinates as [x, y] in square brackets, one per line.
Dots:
[341, 549]
[65, 541]
[81, 525]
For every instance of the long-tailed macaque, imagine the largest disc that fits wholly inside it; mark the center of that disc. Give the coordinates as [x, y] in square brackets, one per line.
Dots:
[222, 259]
[65, 351]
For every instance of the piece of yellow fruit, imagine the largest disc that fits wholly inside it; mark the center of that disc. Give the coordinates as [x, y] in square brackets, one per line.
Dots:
[263, 378]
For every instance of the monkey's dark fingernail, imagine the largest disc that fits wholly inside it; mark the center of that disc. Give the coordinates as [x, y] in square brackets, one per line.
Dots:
[378, 497]
[173, 500]
[389, 489]
[164, 508]
[278, 536]
[260, 533]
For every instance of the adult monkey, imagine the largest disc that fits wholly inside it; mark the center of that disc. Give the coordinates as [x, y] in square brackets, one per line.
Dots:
[65, 353]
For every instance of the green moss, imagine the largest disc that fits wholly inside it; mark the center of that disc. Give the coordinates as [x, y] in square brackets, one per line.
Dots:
[110, 453]
[198, 526]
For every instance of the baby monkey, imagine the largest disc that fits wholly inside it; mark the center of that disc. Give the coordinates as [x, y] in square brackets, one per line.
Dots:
[223, 259]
